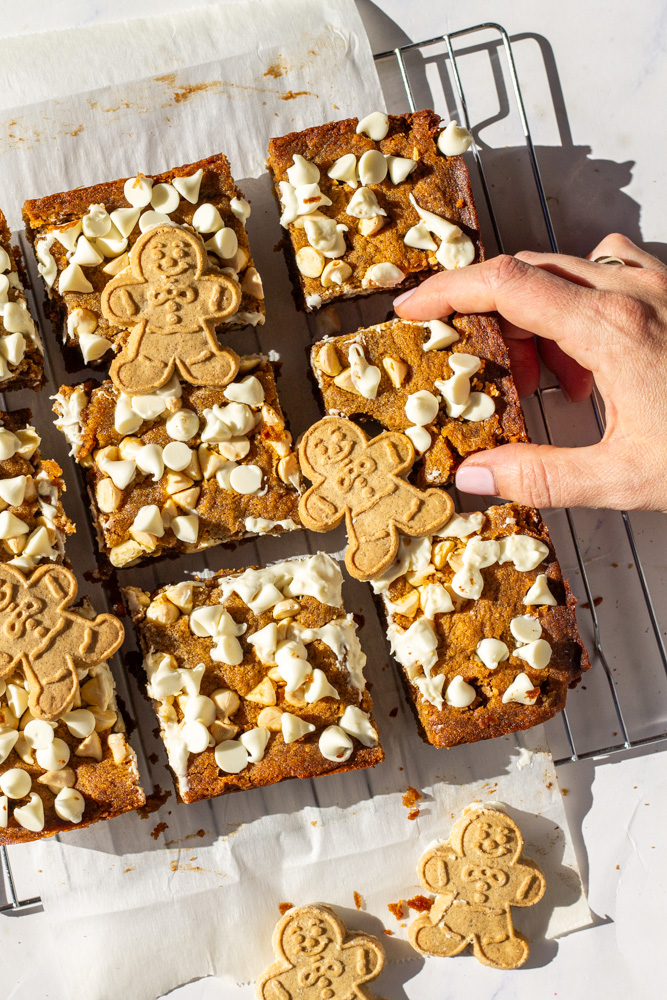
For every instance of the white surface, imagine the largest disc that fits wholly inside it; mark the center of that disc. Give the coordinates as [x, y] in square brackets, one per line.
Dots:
[603, 161]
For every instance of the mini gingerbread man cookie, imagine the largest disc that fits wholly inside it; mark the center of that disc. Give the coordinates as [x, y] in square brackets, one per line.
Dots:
[477, 875]
[39, 635]
[318, 960]
[361, 481]
[172, 306]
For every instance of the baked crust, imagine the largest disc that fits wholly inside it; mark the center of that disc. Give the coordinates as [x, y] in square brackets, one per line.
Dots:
[460, 631]
[452, 438]
[440, 184]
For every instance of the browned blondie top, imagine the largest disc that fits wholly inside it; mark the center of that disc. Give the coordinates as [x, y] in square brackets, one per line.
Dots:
[448, 386]
[364, 214]
[257, 676]
[482, 623]
[21, 353]
[71, 772]
[185, 467]
[82, 239]
[33, 524]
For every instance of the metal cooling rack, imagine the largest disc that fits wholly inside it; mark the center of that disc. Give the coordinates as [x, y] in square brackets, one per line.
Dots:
[397, 59]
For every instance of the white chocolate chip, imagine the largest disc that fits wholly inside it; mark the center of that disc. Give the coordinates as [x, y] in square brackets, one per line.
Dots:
[293, 728]
[310, 262]
[309, 199]
[319, 687]
[38, 734]
[67, 236]
[138, 190]
[525, 628]
[70, 804]
[539, 593]
[195, 736]
[375, 125]
[302, 171]
[231, 756]
[420, 437]
[53, 757]
[9, 444]
[537, 654]
[186, 528]
[8, 738]
[492, 652]
[200, 709]
[446, 230]
[364, 204]
[207, 219]
[240, 208]
[125, 219]
[249, 391]
[121, 473]
[521, 690]
[357, 723]
[15, 783]
[254, 741]
[372, 167]
[383, 275]
[454, 139]
[459, 694]
[419, 237]
[224, 243]
[96, 222]
[149, 520]
[11, 526]
[462, 525]
[464, 364]
[365, 378]
[344, 169]
[12, 490]
[73, 279]
[92, 346]
[430, 689]
[80, 722]
[416, 646]
[31, 816]
[177, 456]
[149, 461]
[336, 272]
[455, 253]
[188, 187]
[524, 551]
[455, 392]
[421, 407]
[116, 266]
[17, 699]
[400, 167]
[435, 599]
[148, 220]
[182, 425]
[85, 253]
[246, 479]
[165, 198]
[326, 236]
[335, 744]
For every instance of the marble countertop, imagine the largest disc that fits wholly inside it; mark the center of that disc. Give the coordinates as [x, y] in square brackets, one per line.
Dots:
[593, 78]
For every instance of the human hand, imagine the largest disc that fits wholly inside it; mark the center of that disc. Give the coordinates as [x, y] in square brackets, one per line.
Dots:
[588, 322]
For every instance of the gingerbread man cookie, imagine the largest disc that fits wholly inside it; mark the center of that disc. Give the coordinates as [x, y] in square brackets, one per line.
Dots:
[318, 960]
[361, 481]
[477, 875]
[41, 637]
[172, 306]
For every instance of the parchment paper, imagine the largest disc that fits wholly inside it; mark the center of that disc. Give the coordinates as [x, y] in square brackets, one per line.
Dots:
[140, 904]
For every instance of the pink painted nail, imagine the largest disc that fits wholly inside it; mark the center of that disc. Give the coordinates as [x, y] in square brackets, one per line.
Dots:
[403, 296]
[476, 479]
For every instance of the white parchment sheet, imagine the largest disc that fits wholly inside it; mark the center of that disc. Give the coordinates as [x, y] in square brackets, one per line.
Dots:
[139, 905]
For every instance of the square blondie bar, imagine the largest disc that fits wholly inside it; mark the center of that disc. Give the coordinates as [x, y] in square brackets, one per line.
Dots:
[72, 770]
[21, 352]
[371, 205]
[33, 524]
[482, 623]
[256, 676]
[185, 467]
[82, 239]
[448, 386]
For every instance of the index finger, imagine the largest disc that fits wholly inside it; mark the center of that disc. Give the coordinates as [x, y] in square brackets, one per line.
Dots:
[529, 297]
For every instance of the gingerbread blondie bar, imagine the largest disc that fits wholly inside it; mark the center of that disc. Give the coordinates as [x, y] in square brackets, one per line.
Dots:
[33, 524]
[21, 352]
[82, 239]
[447, 386]
[185, 467]
[257, 676]
[65, 761]
[371, 204]
[482, 623]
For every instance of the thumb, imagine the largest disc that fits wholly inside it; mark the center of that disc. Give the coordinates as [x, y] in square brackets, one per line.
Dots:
[544, 476]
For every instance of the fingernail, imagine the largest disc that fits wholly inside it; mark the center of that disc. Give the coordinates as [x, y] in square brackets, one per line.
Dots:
[403, 296]
[476, 479]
